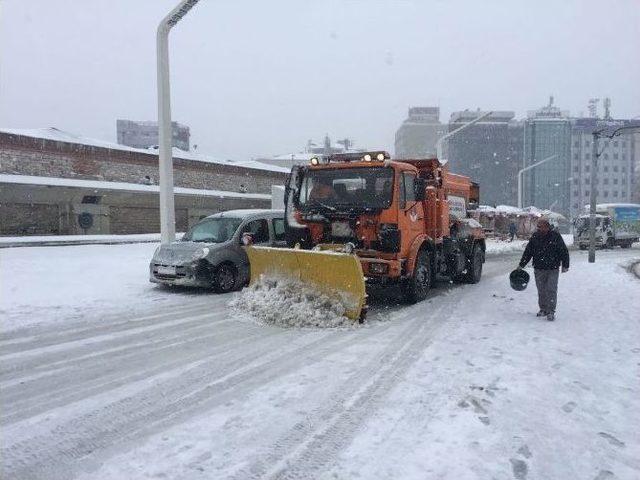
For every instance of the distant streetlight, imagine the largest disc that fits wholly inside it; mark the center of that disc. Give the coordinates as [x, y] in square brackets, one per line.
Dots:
[167, 207]
[451, 134]
[520, 175]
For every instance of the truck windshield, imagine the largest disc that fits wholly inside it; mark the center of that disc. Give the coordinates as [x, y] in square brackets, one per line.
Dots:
[340, 188]
[213, 230]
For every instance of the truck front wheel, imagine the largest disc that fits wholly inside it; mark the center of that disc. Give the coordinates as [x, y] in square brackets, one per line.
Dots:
[474, 270]
[417, 286]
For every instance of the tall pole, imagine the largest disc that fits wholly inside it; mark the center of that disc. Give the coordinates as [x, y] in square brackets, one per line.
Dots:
[457, 130]
[167, 206]
[592, 198]
[521, 174]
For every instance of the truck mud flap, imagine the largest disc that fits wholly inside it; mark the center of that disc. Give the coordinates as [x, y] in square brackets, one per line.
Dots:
[338, 275]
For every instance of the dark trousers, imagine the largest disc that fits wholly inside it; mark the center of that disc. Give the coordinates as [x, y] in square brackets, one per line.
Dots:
[547, 283]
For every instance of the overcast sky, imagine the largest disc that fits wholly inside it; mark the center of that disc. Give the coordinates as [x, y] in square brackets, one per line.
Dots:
[258, 77]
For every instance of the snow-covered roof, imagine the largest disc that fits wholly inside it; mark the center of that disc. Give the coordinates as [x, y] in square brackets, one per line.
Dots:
[510, 210]
[52, 133]
[129, 187]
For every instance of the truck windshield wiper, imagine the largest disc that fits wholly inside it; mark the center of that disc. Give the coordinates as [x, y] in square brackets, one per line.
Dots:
[324, 205]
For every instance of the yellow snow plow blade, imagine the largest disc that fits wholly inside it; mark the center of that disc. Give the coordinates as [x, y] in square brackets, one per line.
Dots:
[338, 275]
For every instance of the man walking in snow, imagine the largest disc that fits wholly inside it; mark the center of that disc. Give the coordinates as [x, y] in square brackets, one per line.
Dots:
[513, 229]
[549, 252]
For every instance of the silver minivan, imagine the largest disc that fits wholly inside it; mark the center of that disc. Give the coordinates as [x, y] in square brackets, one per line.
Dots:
[210, 254]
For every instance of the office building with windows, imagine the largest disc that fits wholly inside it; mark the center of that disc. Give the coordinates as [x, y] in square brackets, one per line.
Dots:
[616, 174]
[490, 152]
[547, 135]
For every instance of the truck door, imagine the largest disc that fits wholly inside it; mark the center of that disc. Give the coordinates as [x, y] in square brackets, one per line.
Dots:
[411, 215]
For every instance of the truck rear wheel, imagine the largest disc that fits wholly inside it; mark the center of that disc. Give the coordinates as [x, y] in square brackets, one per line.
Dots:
[416, 288]
[474, 270]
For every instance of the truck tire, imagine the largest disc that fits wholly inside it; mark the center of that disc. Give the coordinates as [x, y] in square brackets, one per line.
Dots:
[582, 246]
[416, 288]
[474, 270]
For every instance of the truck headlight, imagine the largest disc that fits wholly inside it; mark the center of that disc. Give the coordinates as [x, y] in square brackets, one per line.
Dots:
[200, 253]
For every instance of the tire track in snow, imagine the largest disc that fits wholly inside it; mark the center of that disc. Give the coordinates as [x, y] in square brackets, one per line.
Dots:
[315, 441]
[87, 382]
[162, 405]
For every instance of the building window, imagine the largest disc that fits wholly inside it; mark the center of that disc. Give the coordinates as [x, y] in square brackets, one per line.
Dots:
[624, 156]
[575, 181]
[606, 156]
[615, 181]
[586, 168]
[615, 168]
[586, 193]
[615, 144]
[576, 156]
[615, 156]
[606, 193]
[605, 181]
[615, 193]
[586, 181]
[576, 143]
[587, 143]
[606, 143]
[606, 169]
[623, 194]
[587, 156]
[575, 193]
[624, 169]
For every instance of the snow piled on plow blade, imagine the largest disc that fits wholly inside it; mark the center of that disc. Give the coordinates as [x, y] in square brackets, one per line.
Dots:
[335, 275]
[291, 304]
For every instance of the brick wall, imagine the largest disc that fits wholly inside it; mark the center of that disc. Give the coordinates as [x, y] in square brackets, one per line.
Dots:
[22, 155]
[18, 219]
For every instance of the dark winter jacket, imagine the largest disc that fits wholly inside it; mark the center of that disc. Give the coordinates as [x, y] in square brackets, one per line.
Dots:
[548, 251]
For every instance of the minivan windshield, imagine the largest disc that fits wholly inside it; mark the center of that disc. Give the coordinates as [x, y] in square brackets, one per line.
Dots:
[213, 230]
[333, 189]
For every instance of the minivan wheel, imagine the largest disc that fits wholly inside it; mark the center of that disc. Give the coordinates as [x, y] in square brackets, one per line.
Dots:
[224, 278]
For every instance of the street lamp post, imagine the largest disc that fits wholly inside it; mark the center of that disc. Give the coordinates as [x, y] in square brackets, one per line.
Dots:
[167, 208]
[520, 175]
[457, 130]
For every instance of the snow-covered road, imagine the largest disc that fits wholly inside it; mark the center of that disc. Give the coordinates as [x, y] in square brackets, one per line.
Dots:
[468, 384]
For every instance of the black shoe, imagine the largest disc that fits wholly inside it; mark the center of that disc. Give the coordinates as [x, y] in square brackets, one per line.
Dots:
[551, 317]
[541, 313]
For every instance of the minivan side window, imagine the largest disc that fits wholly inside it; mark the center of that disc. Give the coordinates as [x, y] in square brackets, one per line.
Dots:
[278, 229]
[259, 229]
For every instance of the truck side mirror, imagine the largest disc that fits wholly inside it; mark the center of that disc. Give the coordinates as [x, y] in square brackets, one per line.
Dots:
[420, 186]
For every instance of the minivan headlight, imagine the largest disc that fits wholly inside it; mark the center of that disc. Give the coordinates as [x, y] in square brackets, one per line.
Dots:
[200, 253]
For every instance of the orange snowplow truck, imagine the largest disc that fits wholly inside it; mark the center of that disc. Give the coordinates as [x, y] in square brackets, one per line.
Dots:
[405, 221]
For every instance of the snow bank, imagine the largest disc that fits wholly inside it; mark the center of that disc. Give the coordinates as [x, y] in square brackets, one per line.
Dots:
[286, 303]
[496, 246]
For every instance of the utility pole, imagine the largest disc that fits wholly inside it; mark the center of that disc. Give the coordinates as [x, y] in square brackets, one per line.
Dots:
[592, 197]
[165, 158]
[595, 154]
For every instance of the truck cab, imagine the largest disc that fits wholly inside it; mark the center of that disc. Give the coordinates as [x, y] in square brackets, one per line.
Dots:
[616, 224]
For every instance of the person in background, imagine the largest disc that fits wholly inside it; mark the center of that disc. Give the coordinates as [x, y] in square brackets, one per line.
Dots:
[513, 229]
[549, 252]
